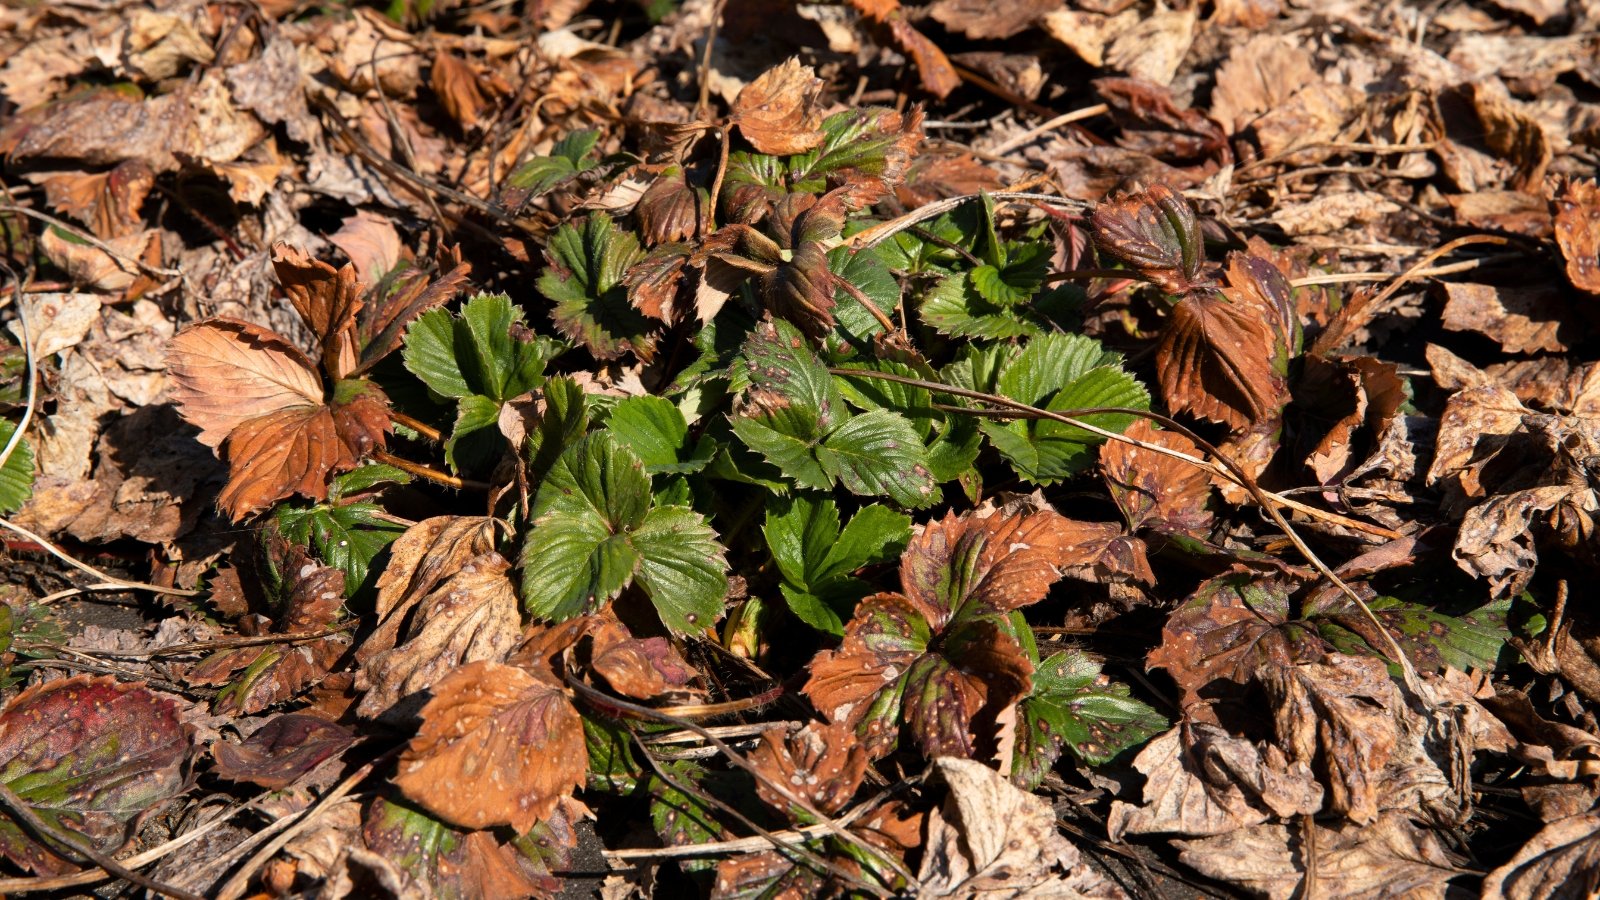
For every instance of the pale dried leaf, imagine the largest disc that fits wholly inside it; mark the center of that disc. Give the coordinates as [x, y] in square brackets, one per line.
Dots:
[226, 372]
[780, 112]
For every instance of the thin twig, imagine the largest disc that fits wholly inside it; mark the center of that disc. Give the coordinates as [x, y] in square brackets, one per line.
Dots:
[420, 427]
[861, 297]
[87, 569]
[33, 376]
[93, 241]
[704, 98]
[431, 474]
[1430, 272]
[22, 813]
[90, 876]
[1088, 112]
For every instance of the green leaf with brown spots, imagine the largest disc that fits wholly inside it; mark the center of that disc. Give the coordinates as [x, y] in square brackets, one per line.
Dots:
[1075, 707]
[681, 818]
[457, 864]
[1432, 639]
[89, 756]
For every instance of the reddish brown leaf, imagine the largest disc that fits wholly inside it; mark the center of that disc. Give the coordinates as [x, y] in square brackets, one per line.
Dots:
[990, 557]
[954, 697]
[644, 668]
[1578, 233]
[1154, 490]
[327, 299]
[780, 112]
[382, 321]
[939, 78]
[497, 746]
[653, 282]
[226, 372]
[107, 202]
[462, 91]
[821, 764]
[1215, 361]
[671, 209]
[979, 20]
[89, 756]
[281, 751]
[1154, 231]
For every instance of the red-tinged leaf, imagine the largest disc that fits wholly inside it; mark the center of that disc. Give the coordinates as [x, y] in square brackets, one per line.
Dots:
[954, 698]
[381, 322]
[226, 372]
[821, 764]
[1102, 552]
[278, 753]
[1229, 629]
[672, 209]
[1215, 361]
[640, 668]
[881, 642]
[1260, 287]
[653, 282]
[327, 299]
[1154, 490]
[498, 746]
[89, 756]
[1578, 233]
[988, 559]
[938, 76]
[1156, 232]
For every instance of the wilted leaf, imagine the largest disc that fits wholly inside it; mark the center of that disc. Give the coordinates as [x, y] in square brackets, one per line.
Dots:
[282, 750]
[498, 746]
[1154, 490]
[456, 864]
[1215, 361]
[1560, 861]
[1156, 232]
[328, 299]
[227, 372]
[990, 839]
[88, 755]
[1229, 628]
[779, 112]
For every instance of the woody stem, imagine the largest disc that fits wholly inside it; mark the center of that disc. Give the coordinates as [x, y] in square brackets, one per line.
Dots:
[431, 474]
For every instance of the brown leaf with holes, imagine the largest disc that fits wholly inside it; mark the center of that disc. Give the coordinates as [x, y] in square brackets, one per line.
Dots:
[498, 746]
[1154, 490]
[1522, 318]
[1578, 233]
[428, 554]
[780, 113]
[641, 668]
[1215, 362]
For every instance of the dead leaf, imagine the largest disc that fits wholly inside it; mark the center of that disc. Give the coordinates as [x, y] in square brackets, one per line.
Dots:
[939, 78]
[1578, 233]
[93, 267]
[992, 840]
[108, 202]
[498, 746]
[1512, 134]
[327, 299]
[1388, 858]
[1156, 491]
[1215, 361]
[780, 112]
[821, 764]
[226, 372]
[278, 753]
[371, 243]
[1562, 860]
[980, 20]
[428, 554]
[463, 92]
[1527, 318]
[1154, 47]
[1200, 780]
[472, 615]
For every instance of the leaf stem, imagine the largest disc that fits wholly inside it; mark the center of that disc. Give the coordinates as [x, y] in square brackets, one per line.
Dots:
[422, 428]
[861, 298]
[431, 474]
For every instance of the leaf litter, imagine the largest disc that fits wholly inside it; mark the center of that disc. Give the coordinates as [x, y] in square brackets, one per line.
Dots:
[745, 449]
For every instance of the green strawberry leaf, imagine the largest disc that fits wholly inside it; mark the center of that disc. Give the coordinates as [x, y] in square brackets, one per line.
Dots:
[1074, 707]
[478, 352]
[595, 533]
[816, 558]
[347, 537]
[567, 159]
[878, 453]
[655, 430]
[16, 476]
[585, 268]
[365, 478]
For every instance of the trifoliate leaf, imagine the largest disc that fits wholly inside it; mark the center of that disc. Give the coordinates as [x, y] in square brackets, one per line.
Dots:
[816, 558]
[16, 476]
[586, 265]
[594, 533]
[1074, 707]
[879, 454]
[364, 479]
[955, 306]
[1019, 278]
[853, 323]
[475, 441]
[479, 351]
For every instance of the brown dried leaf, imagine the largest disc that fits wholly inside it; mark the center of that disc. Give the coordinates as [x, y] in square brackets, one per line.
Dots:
[990, 840]
[821, 764]
[1200, 780]
[989, 557]
[1562, 860]
[424, 557]
[462, 92]
[498, 746]
[327, 299]
[938, 76]
[473, 615]
[1389, 858]
[671, 209]
[780, 112]
[1154, 490]
[1526, 318]
[278, 753]
[1232, 627]
[372, 244]
[642, 668]
[1578, 233]
[1154, 231]
[226, 372]
[1512, 133]
[979, 20]
[1215, 361]
[107, 202]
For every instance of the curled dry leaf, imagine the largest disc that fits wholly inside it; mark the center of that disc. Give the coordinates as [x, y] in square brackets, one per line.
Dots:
[992, 840]
[498, 746]
[938, 76]
[780, 112]
[1562, 860]
[1156, 233]
[429, 553]
[470, 616]
[89, 756]
[327, 299]
[226, 372]
[1578, 233]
